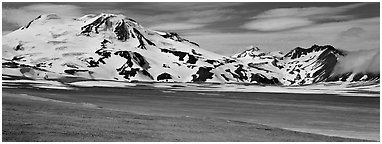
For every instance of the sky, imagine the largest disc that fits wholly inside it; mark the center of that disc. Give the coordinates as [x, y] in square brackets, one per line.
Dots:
[231, 27]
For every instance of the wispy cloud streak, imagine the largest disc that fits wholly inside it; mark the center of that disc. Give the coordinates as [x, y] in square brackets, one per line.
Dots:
[288, 18]
[21, 16]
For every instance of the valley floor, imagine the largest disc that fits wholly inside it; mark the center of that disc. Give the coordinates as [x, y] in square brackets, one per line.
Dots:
[145, 113]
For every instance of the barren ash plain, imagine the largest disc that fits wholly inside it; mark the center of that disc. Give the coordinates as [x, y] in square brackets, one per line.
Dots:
[117, 111]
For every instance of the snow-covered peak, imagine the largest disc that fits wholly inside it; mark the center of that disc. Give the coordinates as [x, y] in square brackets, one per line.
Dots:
[253, 48]
[277, 54]
[86, 17]
[174, 36]
[91, 18]
[250, 52]
[254, 52]
[106, 22]
[298, 51]
[41, 19]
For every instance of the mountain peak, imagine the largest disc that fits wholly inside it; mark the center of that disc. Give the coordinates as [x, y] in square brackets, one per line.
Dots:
[106, 21]
[42, 18]
[174, 36]
[252, 48]
[251, 51]
[298, 51]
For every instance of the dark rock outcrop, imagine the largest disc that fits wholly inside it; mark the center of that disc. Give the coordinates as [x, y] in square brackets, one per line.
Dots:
[202, 74]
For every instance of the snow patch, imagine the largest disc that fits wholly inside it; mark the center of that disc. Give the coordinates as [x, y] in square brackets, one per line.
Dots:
[364, 91]
[101, 84]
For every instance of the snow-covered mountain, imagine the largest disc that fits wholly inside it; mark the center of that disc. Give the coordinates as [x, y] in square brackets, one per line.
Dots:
[115, 47]
[317, 64]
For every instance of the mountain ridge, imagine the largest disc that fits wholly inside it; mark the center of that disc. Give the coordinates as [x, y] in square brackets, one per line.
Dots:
[115, 47]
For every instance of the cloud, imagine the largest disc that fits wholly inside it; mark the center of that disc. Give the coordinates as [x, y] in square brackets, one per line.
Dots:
[186, 19]
[184, 16]
[276, 24]
[321, 34]
[288, 18]
[185, 6]
[176, 26]
[362, 61]
[207, 15]
[306, 12]
[354, 32]
[21, 16]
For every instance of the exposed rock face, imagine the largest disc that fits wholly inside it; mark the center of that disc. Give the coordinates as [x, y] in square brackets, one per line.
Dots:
[164, 76]
[191, 58]
[307, 66]
[202, 74]
[103, 19]
[122, 31]
[114, 47]
[176, 37]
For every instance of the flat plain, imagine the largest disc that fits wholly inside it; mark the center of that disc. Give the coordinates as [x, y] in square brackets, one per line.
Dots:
[144, 113]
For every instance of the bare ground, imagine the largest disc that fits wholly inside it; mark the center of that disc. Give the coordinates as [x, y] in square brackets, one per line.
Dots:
[99, 115]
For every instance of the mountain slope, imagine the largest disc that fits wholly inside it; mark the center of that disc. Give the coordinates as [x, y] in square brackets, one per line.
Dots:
[104, 47]
[114, 47]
